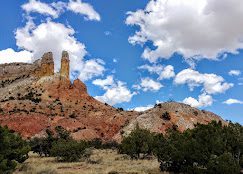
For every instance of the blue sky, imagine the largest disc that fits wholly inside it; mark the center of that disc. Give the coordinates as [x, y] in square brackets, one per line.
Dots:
[134, 54]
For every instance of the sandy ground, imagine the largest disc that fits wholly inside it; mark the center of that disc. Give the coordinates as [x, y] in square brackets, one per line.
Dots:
[100, 162]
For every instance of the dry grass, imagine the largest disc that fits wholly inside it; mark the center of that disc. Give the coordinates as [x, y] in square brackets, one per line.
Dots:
[100, 162]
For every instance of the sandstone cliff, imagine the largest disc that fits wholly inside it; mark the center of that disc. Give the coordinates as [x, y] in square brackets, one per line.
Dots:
[33, 99]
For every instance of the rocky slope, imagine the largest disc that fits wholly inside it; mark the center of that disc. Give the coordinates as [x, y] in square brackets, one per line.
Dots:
[33, 99]
[165, 115]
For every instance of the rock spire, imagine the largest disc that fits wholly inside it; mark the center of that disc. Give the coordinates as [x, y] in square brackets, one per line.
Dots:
[65, 65]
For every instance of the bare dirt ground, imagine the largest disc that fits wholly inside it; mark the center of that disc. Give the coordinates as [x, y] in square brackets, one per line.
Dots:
[100, 162]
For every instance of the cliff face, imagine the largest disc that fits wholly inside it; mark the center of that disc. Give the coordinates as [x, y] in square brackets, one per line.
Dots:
[33, 99]
[15, 71]
[46, 65]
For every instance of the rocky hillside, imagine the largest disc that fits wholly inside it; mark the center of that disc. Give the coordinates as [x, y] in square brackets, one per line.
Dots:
[165, 115]
[33, 98]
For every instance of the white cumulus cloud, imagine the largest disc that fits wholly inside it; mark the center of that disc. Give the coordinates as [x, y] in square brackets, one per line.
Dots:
[211, 83]
[148, 84]
[234, 72]
[104, 83]
[232, 101]
[77, 6]
[195, 29]
[54, 9]
[115, 91]
[167, 73]
[91, 68]
[203, 101]
[9, 56]
[164, 72]
[142, 108]
[152, 68]
[40, 7]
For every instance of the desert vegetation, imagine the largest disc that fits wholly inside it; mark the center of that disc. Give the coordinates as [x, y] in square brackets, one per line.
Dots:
[206, 149]
[100, 161]
[13, 150]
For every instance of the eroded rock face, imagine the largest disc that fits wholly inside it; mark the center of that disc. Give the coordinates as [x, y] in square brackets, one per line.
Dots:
[33, 99]
[15, 71]
[65, 65]
[47, 65]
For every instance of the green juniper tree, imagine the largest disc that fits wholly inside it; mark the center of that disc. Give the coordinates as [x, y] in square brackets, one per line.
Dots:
[138, 143]
[12, 150]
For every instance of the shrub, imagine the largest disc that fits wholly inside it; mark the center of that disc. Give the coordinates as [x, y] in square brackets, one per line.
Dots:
[224, 164]
[43, 146]
[68, 151]
[73, 115]
[110, 145]
[1, 110]
[120, 109]
[11, 98]
[158, 143]
[12, 149]
[211, 148]
[166, 116]
[62, 133]
[137, 143]
[60, 145]
[195, 113]
[31, 96]
[96, 143]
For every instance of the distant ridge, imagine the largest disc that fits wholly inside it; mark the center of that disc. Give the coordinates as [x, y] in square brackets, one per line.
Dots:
[33, 98]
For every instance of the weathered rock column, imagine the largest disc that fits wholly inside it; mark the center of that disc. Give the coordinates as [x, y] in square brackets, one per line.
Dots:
[47, 65]
[65, 65]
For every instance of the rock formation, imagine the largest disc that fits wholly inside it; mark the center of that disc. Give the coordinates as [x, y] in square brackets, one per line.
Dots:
[33, 98]
[47, 65]
[40, 68]
[65, 65]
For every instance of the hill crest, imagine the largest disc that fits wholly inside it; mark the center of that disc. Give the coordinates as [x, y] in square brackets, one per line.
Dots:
[33, 98]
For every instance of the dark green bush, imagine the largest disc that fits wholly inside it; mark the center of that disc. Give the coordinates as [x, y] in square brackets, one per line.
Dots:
[43, 146]
[223, 164]
[120, 109]
[62, 133]
[138, 143]
[1, 110]
[60, 145]
[12, 150]
[68, 151]
[211, 148]
[110, 145]
[166, 116]
[96, 143]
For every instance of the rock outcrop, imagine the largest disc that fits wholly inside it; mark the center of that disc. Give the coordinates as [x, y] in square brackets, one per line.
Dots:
[47, 65]
[33, 98]
[15, 71]
[65, 65]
